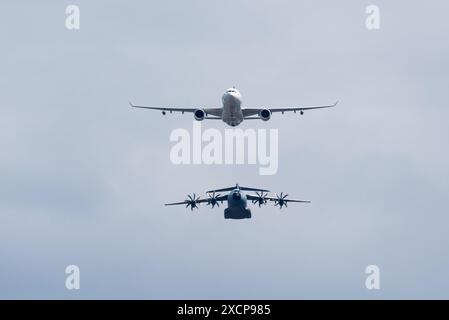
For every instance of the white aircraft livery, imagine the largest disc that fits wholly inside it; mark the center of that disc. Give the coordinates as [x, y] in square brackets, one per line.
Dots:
[231, 112]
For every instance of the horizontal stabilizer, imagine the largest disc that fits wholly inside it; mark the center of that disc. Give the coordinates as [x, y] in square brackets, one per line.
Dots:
[238, 187]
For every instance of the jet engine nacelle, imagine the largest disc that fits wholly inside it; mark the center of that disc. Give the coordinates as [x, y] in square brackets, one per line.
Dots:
[265, 114]
[199, 114]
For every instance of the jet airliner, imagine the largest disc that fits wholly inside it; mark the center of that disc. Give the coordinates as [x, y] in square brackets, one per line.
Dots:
[231, 111]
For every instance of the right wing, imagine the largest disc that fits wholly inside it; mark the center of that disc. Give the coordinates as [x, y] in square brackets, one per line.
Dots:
[186, 202]
[208, 111]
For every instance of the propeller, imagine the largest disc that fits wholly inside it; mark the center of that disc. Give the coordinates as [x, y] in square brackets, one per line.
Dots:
[192, 201]
[213, 199]
[281, 200]
[261, 198]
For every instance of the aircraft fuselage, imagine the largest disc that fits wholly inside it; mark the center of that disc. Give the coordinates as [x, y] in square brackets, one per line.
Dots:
[237, 206]
[232, 111]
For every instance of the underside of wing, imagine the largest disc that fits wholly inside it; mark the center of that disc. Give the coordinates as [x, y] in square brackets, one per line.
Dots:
[287, 200]
[248, 112]
[252, 197]
[294, 109]
[217, 112]
[222, 198]
[176, 203]
[169, 109]
[186, 202]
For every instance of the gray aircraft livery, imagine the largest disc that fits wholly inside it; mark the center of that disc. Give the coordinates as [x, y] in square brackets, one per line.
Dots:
[231, 111]
[237, 201]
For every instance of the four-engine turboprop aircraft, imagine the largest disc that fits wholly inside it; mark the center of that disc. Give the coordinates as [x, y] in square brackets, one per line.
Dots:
[237, 200]
[231, 112]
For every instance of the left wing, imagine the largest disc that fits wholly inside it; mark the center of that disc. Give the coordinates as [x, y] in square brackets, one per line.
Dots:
[255, 111]
[252, 197]
[287, 200]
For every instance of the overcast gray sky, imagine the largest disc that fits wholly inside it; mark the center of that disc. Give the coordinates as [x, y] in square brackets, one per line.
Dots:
[84, 177]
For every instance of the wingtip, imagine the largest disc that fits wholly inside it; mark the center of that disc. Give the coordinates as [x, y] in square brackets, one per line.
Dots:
[130, 103]
[336, 102]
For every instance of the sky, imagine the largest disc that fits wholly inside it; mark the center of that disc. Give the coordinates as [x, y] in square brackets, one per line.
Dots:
[84, 176]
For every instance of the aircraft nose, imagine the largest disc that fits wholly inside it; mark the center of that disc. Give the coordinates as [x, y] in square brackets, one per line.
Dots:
[230, 95]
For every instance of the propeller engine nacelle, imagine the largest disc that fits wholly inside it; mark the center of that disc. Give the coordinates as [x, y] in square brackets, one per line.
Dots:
[261, 198]
[199, 114]
[281, 200]
[265, 114]
[213, 199]
[192, 202]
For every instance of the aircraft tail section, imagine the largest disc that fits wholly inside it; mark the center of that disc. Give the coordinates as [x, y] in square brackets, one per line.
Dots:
[238, 187]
